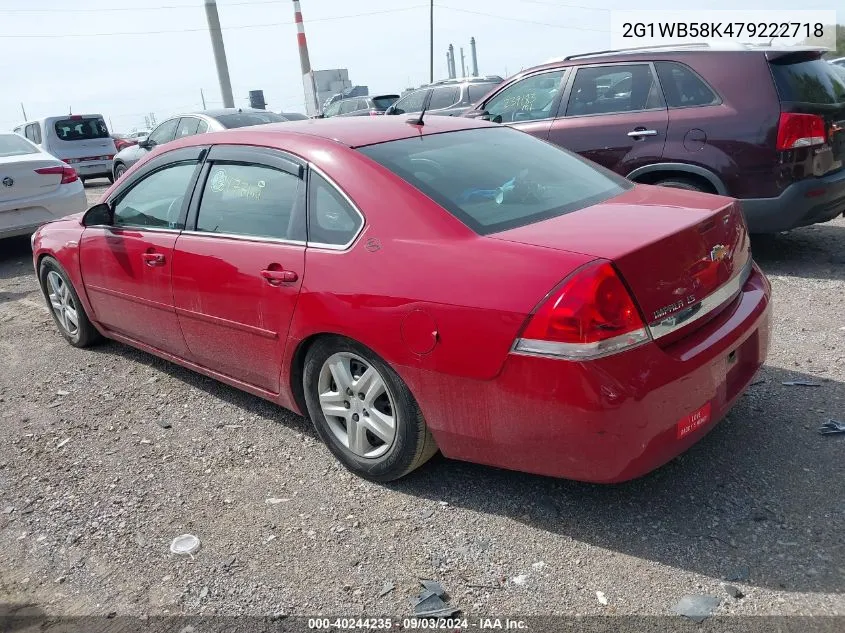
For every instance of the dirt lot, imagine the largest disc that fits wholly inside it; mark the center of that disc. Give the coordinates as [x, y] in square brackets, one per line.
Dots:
[93, 489]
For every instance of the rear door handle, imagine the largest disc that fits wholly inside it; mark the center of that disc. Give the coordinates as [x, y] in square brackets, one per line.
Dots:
[279, 277]
[153, 259]
[642, 132]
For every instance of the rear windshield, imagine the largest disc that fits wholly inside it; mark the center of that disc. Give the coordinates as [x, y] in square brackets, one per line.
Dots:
[81, 129]
[497, 178]
[813, 81]
[14, 145]
[383, 103]
[246, 119]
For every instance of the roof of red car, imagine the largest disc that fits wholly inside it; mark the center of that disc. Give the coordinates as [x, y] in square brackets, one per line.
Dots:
[360, 131]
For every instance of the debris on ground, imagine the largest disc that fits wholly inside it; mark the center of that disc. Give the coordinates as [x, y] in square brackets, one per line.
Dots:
[164, 424]
[520, 580]
[800, 383]
[203, 592]
[733, 591]
[696, 608]
[430, 601]
[185, 545]
[62, 443]
[63, 393]
[832, 427]
[386, 589]
[601, 598]
[427, 513]
[272, 501]
[538, 565]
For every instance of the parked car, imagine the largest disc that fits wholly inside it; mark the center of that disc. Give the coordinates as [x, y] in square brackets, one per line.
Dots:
[449, 97]
[189, 124]
[137, 135]
[35, 187]
[839, 61]
[359, 106]
[80, 140]
[633, 316]
[763, 124]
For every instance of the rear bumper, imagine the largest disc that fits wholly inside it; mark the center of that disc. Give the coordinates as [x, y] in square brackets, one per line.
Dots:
[612, 419]
[95, 169]
[20, 217]
[805, 202]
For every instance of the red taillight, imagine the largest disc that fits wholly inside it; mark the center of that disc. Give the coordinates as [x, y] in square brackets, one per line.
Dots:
[800, 130]
[68, 174]
[592, 314]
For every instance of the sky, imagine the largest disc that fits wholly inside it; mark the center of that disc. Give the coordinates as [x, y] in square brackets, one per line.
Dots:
[126, 58]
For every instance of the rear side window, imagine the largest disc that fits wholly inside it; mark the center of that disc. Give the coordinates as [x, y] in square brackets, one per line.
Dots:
[188, 126]
[682, 88]
[33, 133]
[14, 145]
[348, 106]
[477, 91]
[81, 129]
[444, 97]
[249, 200]
[813, 81]
[494, 179]
[331, 219]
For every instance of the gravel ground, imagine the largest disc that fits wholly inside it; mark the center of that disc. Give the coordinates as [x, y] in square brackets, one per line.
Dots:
[93, 489]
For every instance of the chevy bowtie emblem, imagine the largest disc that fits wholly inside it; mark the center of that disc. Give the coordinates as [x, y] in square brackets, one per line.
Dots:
[8, 182]
[718, 253]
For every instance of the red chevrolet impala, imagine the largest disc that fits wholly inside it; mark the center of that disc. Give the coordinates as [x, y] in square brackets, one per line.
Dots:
[455, 286]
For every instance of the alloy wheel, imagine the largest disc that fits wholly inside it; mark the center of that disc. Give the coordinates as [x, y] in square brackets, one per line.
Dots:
[62, 303]
[358, 405]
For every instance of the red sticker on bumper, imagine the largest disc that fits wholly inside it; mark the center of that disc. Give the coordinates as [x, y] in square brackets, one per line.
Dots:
[694, 420]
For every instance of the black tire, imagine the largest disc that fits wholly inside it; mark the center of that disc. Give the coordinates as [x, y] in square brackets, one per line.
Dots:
[119, 170]
[681, 183]
[412, 445]
[85, 334]
[111, 179]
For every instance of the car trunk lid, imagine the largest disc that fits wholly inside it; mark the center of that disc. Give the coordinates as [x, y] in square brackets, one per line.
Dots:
[674, 249]
[19, 178]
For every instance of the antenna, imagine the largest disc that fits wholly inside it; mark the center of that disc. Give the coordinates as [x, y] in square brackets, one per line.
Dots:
[418, 120]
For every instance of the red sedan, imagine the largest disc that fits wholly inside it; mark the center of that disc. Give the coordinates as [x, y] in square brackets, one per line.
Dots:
[455, 286]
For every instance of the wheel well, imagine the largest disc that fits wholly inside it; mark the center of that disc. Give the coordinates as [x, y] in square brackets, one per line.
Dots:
[298, 369]
[649, 178]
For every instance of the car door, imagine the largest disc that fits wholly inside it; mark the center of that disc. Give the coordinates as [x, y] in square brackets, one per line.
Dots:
[528, 104]
[238, 268]
[126, 266]
[613, 114]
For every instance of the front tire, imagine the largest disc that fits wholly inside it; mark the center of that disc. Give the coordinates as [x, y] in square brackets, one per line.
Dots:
[119, 170]
[65, 306]
[363, 411]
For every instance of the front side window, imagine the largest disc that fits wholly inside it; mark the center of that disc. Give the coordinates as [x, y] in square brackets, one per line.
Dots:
[444, 97]
[528, 99]
[682, 88]
[188, 126]
[410, 103]
[156, 201]
[494, 179]
[164, 133]
[332, 110]
[613, 89]
[331, 219]
[248, 200]
[348, 106]
[476, 91]
[81, 129]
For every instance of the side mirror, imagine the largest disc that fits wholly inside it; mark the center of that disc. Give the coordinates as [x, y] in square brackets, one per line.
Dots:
[391, 110]
[144, 143]
[478, 114]
[99, 215]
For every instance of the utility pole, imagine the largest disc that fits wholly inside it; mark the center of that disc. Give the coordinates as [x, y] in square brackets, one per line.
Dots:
[219, 53]
[463, 64]
[312, 102]
[24, 111]
[431, 44]
[202, 96]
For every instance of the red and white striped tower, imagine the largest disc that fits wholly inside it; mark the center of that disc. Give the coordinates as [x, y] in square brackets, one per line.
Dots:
[312, 107]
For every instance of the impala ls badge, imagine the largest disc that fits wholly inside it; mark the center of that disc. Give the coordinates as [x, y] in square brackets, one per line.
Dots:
[8, 182]
[718, 253]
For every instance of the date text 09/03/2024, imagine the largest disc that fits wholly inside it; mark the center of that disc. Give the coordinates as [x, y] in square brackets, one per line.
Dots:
[447, 624]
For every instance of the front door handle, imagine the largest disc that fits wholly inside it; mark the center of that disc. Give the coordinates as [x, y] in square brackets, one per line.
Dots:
[279, 277]
[153, 259]
[642, 132]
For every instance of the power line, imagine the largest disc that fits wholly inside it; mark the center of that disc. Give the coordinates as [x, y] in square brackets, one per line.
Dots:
[513, 19]
[205, 28]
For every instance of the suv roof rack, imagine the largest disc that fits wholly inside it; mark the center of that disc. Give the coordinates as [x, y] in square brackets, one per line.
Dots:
[716, 45]
[465, 80]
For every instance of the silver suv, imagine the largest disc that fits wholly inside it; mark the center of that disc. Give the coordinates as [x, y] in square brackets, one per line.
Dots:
[449, 97]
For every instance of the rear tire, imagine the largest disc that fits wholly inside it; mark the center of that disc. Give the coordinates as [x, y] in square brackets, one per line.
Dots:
[377, 405]
[64, 305]
[681, 183]
[119, 170]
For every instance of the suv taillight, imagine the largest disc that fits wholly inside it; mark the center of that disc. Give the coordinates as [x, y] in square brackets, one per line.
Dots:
[591, 314]
[800, 130]
[68, 174]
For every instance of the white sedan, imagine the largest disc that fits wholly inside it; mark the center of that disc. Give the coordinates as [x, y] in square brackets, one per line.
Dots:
[35, 187]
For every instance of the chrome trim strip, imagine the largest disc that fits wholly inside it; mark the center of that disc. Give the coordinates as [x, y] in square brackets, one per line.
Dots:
[335, 247]
[726, 293]
[246, 238]
[579, 351]
[127, 227]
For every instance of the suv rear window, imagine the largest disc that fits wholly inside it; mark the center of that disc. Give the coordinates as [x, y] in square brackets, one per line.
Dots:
[81, 129]
[383, 103]
[14, 145]
[246, 119]
[494, 179]
[813, 81]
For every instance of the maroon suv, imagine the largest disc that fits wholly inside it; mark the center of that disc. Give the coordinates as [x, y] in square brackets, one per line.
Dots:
[765, 125]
